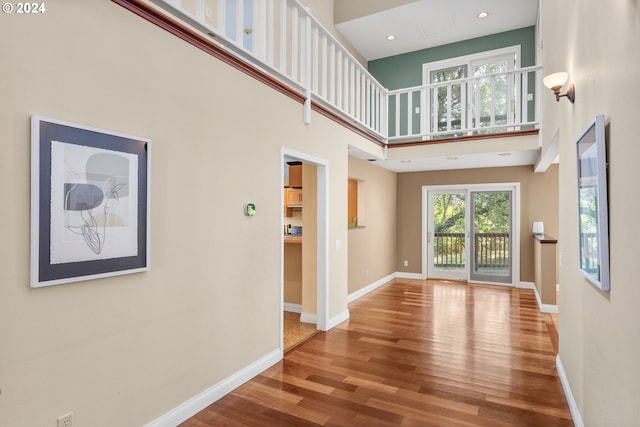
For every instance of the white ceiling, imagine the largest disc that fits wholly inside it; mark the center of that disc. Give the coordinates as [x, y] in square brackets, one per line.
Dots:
[518, 157]
[428, 23]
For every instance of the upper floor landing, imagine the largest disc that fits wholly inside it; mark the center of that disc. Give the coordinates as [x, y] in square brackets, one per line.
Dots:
[478, 96]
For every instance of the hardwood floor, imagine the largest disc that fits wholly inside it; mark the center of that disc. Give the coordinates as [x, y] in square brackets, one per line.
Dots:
[413, 353]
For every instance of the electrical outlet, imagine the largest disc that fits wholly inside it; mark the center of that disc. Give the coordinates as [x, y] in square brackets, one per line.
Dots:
[406, 263]
[66, 420]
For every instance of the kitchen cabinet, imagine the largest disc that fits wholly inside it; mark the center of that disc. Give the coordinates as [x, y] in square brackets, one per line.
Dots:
[287, 211]
[295, 176]
[294, 197]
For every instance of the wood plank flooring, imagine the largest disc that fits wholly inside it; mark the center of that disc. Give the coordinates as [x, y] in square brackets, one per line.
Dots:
[413, 353]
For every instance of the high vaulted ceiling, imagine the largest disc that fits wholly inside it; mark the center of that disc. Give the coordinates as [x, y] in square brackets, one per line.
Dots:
[422, 24]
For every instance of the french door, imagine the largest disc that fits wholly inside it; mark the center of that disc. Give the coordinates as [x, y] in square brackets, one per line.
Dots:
[470, 233]
[484, 97]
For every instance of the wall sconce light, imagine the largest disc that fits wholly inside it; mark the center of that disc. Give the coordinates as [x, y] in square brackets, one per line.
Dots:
[537, 227]
[555, 82]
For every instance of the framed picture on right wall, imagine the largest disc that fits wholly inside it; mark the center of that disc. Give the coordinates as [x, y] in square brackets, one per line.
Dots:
[593, 216]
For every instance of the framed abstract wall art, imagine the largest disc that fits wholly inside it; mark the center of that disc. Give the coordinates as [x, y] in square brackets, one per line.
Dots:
[89, 203]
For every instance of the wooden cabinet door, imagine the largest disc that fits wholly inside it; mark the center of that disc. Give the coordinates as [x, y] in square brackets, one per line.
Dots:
[295, 176]
[294, 197]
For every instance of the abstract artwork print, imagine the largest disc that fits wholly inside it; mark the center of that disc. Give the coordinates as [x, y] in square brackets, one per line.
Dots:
[92, 213]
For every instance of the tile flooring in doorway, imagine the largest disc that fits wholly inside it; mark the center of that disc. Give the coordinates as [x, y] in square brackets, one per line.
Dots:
[295, 331]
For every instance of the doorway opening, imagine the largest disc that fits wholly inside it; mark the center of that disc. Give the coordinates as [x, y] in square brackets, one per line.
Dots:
[471, 233]
[304, 247]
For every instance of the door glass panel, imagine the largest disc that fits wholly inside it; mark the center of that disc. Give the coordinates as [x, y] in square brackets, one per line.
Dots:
[491, 228]
[448, 116]
[449, 250]
[491, 95]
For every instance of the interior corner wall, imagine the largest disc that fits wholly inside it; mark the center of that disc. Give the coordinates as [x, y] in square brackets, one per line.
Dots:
[372, 248]
[139, 345]
[538, 201]
[598, 44]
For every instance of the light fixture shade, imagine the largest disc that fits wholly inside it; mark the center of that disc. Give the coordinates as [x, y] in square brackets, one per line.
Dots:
[538, 227]
[555, 80]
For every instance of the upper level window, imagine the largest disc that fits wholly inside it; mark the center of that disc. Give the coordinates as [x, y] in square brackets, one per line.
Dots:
[473, 102]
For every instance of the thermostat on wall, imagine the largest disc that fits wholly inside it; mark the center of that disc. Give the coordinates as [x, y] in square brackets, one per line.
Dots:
[250, 209]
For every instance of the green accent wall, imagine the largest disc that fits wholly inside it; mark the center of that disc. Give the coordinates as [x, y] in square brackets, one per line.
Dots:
[401, 71]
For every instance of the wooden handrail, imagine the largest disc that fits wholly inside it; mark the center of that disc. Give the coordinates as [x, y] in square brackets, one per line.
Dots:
[465, 138]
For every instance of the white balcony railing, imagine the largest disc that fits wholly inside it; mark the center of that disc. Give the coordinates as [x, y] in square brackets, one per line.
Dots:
[282, 38]
[481, 104]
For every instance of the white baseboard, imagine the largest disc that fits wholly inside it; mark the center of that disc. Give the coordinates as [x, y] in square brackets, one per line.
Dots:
[293, 308]
[545, 308]
[526, 285]
[573, 406]
[373, 286]
[402, 275]
[309, 318]
[197, 403]
[336, 320]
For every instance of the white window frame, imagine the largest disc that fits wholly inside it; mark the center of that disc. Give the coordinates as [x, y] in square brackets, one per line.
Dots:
[469, 61]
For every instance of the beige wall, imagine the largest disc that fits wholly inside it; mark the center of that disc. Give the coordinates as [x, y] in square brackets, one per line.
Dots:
[538, 201]
[210, 305]
[598, 43]
[372, 249]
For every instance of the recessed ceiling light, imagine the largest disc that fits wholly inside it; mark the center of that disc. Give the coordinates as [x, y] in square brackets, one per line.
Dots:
[451, 158]
[504, 154]
[483, 15]
[405, 161]
[391, 37]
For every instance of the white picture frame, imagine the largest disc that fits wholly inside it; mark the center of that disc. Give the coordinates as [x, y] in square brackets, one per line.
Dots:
[90, 193]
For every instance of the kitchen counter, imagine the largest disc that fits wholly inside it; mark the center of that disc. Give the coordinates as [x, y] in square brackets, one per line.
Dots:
[293, 239]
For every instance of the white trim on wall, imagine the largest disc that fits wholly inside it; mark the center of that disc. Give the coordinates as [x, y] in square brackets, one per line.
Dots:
[309, 318]
[416, 276]
[544, 308]
[573, 406]
[292, 308]
[526, 285]
[322, 284]
[371, 287]
[336, 320]
[197, 403]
